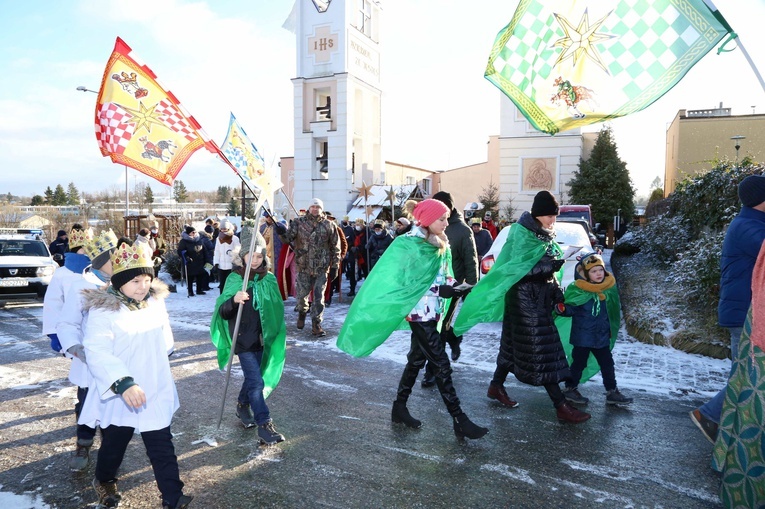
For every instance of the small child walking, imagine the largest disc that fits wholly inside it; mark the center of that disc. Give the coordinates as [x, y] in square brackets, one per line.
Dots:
[127, 341]
[592, 304]
[415, 276]
[262, 334]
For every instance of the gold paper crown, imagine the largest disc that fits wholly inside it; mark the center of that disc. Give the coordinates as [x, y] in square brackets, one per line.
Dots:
[78, 238]
[104, 242]
[475, 220]
[131, 257]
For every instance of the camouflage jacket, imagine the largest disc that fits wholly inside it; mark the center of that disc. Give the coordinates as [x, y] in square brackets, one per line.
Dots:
[315, 242]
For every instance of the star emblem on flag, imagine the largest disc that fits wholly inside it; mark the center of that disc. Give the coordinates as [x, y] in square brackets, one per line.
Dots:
[143, 117]
[580, 41]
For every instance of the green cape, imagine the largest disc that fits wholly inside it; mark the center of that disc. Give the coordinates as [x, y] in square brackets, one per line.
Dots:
[576, 297]
[399, 280]
[271, 307]
[486, 302]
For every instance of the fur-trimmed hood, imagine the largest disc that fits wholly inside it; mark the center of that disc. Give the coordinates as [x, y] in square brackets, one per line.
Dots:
[101, 299]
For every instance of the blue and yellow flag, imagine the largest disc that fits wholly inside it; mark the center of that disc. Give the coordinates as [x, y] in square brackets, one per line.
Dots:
[244, 158]
[569, 63]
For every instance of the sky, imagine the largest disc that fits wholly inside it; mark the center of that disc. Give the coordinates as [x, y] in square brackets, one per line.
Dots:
[234, 56]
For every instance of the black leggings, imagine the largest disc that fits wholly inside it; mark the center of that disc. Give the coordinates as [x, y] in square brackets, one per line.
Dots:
[427, 345]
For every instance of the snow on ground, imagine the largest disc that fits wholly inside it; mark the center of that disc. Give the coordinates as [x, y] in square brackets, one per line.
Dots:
[640, 367]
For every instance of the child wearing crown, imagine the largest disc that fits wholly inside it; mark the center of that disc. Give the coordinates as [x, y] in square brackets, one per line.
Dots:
[590, 318]
[127, 340]
[69, 326]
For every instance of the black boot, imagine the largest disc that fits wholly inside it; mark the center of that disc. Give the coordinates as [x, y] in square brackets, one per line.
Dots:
[401, 414]
[465, 428]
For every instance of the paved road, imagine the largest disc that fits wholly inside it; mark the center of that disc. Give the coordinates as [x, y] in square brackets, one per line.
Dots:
[342, 450]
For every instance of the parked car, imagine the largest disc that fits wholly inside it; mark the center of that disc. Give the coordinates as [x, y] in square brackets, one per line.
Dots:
[584, 224]
[577, 212]
[572, 238]
[26, 266]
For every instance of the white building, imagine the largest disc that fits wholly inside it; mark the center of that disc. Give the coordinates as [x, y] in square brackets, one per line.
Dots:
[337, 101]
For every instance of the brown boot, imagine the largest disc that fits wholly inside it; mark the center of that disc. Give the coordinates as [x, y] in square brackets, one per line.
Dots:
[301, 320]
[316, 329]
[567, 413]
[499, 393]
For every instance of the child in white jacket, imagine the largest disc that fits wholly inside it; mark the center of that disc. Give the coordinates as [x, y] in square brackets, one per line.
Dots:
[127, 341]
[225, 245]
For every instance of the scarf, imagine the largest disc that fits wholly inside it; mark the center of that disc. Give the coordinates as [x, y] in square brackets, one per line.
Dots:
[224, 239]
[596, 289]
[131, 304]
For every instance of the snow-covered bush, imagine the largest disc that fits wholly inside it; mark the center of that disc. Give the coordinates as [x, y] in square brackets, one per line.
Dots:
[663, 239]
[697, 271]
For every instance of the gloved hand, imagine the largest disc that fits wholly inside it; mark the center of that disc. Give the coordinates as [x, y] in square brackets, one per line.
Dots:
[560, 308]
[77, 351]
[280, 228]
[332, 274]
[557, 264]
[446, 291]
[208, 267]
[558, 298]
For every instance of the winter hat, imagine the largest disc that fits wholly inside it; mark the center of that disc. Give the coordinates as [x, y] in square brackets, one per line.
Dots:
[379, 223]
[189, 230]
[544, 204]
[428, 211]
[592, 260]
[487, 216]
[260, 244]
[209, 228]
[751, 190]
[99, 249]
[404, 221]
[129, 262]
[143, 232]
[61, 233]
[225, 224]
[445, 198]
[318, 203]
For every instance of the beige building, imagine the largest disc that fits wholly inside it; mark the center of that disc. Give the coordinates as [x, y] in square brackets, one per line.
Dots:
[696, 139]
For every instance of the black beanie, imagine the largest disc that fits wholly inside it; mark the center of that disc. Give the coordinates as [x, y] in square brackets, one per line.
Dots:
[119, 279]
[189, 230]
[445, 198]
[751, 190]
[545, 204]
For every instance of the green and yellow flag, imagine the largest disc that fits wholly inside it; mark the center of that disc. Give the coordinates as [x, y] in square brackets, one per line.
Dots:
[570, 63]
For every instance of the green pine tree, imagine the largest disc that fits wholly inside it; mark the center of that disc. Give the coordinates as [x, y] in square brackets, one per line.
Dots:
[234, 208]
[224, 194]
[72, 194]
[37, 200]
[59, 196]
[148, 196]
[180, 193]
[603, 182]
[489, 198]
[48, 196]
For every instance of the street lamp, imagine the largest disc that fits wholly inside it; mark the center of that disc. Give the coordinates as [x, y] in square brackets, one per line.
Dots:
[83, 88]
[737, 139]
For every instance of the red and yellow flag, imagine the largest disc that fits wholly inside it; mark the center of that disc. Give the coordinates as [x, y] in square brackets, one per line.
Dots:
[140, 123]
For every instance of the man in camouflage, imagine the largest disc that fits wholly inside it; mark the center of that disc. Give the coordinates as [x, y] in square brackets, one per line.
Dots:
[317, 257]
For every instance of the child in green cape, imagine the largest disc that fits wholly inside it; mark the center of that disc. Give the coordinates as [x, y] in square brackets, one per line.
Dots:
[414, 275]
[591, 313]
[261, 340]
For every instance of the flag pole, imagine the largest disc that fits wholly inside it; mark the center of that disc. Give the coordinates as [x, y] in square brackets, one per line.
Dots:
[751, 62]
[247, 269]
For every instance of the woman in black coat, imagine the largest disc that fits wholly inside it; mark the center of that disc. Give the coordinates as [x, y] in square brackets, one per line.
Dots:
[193, 249]
[530, 346]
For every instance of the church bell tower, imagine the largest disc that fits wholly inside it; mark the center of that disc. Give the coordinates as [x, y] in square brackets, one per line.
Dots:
[336, 101]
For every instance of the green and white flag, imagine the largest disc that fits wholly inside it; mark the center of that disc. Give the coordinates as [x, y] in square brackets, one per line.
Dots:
[570, 63]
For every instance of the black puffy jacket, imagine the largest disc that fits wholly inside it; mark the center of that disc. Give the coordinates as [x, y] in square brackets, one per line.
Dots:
[528, 332]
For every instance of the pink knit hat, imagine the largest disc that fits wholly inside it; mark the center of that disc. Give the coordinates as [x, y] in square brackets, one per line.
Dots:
[427, 211]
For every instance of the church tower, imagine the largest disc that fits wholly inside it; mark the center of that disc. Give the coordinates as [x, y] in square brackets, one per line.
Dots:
[336, 101]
